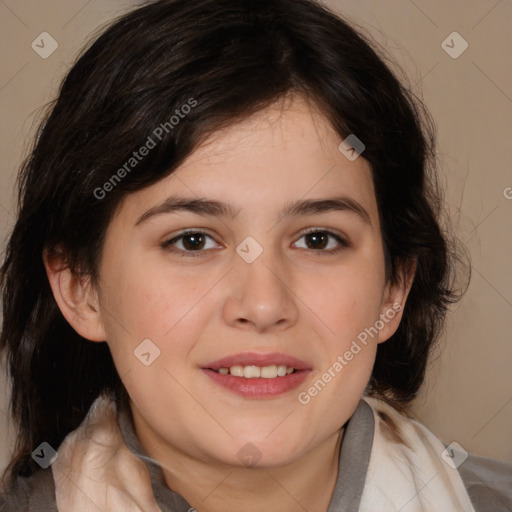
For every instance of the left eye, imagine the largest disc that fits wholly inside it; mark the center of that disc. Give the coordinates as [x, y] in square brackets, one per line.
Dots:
[319, 240]
[195, 241]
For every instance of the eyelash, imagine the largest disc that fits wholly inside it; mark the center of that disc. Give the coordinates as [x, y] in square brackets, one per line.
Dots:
[343, 244]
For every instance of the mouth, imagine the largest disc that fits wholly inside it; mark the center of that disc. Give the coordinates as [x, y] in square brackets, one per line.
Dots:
[258, 375]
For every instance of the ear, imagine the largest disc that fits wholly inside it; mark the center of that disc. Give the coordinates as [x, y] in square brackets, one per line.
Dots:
[75, 296]
[393, 300]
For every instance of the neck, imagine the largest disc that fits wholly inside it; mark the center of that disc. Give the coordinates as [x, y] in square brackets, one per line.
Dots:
[305, 484]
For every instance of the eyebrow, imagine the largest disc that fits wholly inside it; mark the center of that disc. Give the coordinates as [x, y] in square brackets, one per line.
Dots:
[212, 208]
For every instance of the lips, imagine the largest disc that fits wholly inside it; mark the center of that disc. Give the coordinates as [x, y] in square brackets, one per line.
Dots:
[254, 375]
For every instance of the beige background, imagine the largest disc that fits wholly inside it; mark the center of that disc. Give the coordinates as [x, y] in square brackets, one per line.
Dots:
[468, 394]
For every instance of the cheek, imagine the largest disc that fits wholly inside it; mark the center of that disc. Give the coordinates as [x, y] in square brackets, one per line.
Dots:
[154, 302]
[150, 299]
[347, 302]
[347, 307]
[168, 310]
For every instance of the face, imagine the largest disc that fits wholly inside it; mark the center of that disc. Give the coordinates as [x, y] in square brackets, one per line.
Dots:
[282, 269]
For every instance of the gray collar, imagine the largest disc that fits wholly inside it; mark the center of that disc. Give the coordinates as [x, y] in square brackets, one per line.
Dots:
[354, 457]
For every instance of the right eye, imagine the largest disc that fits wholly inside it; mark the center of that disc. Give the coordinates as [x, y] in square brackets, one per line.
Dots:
[191, 242]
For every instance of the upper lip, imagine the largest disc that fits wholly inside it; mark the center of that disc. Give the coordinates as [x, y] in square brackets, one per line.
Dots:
[255, 359]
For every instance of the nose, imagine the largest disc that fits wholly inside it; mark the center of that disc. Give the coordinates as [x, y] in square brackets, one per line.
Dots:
[261, 295]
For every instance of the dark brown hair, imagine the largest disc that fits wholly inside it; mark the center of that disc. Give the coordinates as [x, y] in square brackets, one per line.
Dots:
[233, 57]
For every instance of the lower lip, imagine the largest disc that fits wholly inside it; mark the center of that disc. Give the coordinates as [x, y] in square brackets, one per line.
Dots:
[258, 387]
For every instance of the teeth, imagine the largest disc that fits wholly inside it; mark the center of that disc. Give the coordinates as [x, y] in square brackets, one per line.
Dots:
[237, 371]
[253, 372]
[269, 372]
[281, 370]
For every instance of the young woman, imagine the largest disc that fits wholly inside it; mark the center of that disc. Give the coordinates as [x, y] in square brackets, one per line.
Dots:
[226, 275]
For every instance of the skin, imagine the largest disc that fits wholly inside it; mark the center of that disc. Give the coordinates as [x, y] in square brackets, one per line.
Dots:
[294, 298]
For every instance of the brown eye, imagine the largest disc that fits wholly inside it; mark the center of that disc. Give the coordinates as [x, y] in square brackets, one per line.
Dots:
[191, 242]
[319, 240]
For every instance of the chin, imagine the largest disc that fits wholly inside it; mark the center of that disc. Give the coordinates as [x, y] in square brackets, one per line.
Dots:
[259, 452]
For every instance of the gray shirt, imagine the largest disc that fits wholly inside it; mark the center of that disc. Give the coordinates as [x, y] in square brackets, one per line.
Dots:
[488, 481]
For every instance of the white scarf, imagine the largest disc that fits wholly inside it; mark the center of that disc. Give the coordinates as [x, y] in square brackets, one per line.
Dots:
[409, 476]
[96, 470]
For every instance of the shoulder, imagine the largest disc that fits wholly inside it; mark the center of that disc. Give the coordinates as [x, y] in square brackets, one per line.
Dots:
[488, 482]
[32, 494]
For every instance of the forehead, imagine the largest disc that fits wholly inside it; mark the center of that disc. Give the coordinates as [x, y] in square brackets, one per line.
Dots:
[286, 132]
[283, 153]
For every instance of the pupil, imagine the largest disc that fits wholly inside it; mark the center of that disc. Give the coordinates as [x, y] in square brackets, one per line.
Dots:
[196, 239]
[317, 237]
